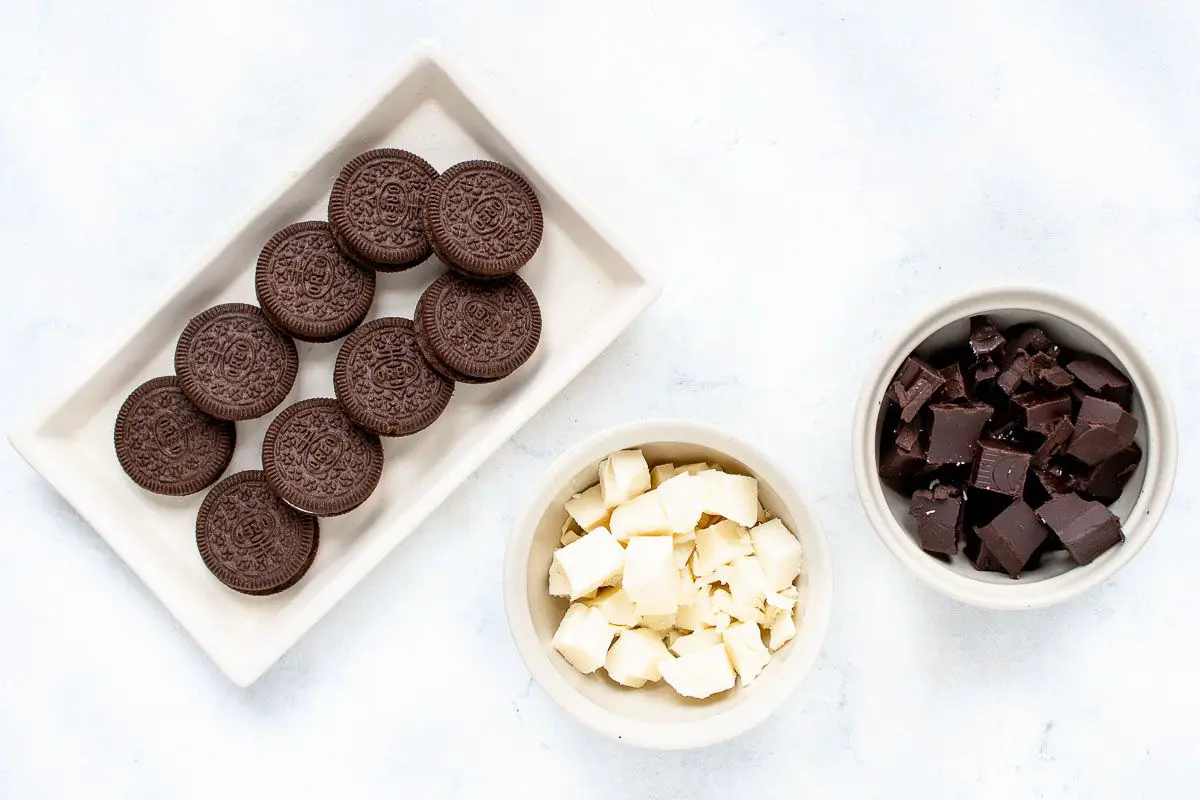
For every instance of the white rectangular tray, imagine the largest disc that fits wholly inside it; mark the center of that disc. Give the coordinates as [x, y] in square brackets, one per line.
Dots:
[589, 292]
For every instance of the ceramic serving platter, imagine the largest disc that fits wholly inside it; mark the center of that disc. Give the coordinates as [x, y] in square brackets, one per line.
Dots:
[589, 292]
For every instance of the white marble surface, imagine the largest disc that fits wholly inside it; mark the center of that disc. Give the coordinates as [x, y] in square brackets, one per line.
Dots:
[806, 177]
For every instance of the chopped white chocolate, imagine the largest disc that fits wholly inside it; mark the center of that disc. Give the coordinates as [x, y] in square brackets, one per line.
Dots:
[559, 587]
[616, 607]
[734, 497]
[783, 629]
[683, 552]
[660, 623]
[642, 515]
[661, 473]
[746, 650]
[587, 509]
[698, 640]
[717, 545]
[700, 674]
[634, 657]
[779, 552]
[583, 638]
[569, 537]
[763, 514]
[692, 469]
[623, 476]
[747, 580]
[684, 499]
[651, 579]
[695, 611]
[590, 562]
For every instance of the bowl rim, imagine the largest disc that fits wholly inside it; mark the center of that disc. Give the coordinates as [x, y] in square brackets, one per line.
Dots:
[1161, 449]
[667, 735]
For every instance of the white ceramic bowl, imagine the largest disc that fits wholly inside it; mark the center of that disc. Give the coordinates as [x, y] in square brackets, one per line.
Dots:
[654, 716]
[1073, 325]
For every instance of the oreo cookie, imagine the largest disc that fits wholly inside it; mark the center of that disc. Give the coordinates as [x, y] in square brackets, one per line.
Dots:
[319, 461]
[251, 540]
[233, 363]
[375, 209]
[483, 219]
[308, 287]
[477, 331]
[166, 444]
[383, 382]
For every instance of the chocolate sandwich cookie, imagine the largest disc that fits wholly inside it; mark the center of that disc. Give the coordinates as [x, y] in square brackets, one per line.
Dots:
[308, 287]
[385, 384]
[375, 208]
[166, 444]
[477, 331]
[319, 461]
[233, 363]
[483, 219]
[250, 539]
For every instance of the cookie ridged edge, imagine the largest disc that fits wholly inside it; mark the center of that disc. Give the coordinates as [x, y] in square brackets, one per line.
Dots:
[259, 587]
[448, 249]
[321, 507]
[341, 381]
[384, 259]
[286, 321]
[228, 433]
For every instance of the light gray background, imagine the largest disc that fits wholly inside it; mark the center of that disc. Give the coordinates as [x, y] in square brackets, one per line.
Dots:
[806, 177]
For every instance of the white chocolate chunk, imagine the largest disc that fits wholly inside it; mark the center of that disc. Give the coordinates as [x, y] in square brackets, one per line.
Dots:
[763, 514]
[699, 640]
[692, 469]
[684, 499]
[690, 536]
[587, 509]
[746, 650]
[661, 473]
[779, 552]
[634, 657]
[643, 515]
[717, 545]
[559, 587]
[695, 612]
[660, 623]
[683, 552]
[583, 638]
[616, 607]
[721, 622]
[569, 537]
[651, 579]
[590, 562]
[782, 630]
[623, 476]
[747, 580]
[733, 497]
[700, 674]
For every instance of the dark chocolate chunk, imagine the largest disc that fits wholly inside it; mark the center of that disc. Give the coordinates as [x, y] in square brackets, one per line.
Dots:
[1107, 480]
[955, 388]
[986, 373]
[954, 435]
[1041, 413]
[1085, 527]
[939, 516]
[1014, 373]
[1030, 340]
[1000, 468]
[983, 560]
[1056, 439]
[1013, 536]
[908, 436]
[1043, 486]
[983, 507]
[1055, 379]
[1102, 430]
[1102, 379]
[903, 459]
[986, 339]
[914, 386]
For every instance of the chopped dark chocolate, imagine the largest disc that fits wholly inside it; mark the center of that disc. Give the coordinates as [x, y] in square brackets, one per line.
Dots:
[955, 388]
[1055, 379]
[1102, 379]
[1085, 527]
[1106, 480]
[1031, 340]
[904, 459]
[986, 372]
[1013, 536]
[914, 386]
[1000, 468]
[1040, 412]
[908, 436]
[954, 435]
[1042, 486]
[1102, 429]
[1056, 439]
[986, 340]
[1015, 372]
[939, 517]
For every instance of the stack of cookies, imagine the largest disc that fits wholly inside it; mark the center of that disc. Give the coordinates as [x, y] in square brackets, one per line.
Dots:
[389, 210]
